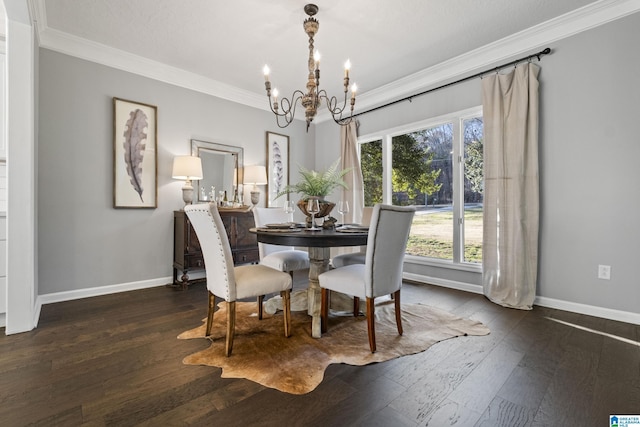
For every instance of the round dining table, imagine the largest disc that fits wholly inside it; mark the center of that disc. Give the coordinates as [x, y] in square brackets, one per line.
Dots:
[319, 244]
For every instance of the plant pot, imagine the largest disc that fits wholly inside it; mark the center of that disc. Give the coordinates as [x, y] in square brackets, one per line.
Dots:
[325, 208]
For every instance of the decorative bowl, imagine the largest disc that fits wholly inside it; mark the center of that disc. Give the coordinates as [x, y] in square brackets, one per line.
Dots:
[325, 208]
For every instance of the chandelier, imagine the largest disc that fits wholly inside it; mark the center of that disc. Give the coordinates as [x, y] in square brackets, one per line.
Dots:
[285, 109]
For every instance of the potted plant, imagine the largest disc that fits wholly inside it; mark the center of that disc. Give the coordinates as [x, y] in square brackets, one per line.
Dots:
[318, 185]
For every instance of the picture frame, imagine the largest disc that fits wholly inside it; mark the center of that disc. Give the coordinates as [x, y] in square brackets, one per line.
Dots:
[277, 168]
[135, 154]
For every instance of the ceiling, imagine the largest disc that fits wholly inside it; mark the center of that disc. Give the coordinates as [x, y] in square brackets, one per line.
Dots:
[225, 44]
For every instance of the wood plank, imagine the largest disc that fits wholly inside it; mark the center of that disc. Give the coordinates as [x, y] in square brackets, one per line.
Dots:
[568, 400]
[503, 413]
[489, 376]
[450, 413]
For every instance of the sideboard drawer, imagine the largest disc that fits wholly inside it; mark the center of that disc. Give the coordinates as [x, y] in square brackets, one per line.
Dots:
[246, 256]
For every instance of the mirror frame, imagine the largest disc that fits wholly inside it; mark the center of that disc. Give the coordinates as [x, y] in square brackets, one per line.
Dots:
[198, 145]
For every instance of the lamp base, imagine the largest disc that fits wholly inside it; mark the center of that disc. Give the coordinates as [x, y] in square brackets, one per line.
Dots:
[187, 193]
[255, 197]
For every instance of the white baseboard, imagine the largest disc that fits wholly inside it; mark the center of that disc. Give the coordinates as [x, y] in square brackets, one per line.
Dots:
[574, 307]
[590, 310]
[36, 312]
[3, 320]
[100, 290]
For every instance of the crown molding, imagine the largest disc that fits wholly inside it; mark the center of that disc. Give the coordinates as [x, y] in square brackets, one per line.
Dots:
[121, 60]
[96, 52]
[522, 43]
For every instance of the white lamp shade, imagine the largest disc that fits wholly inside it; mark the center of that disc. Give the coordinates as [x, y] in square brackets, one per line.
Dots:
[187, 167]
[255, 174]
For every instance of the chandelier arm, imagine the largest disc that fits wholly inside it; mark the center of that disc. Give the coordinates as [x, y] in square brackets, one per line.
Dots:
[336, 112]
[287, 122]
[289, 104]
[288, 108]
[286, 115]
[332, 103]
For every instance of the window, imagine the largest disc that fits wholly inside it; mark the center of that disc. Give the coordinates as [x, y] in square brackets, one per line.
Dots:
[436, 166]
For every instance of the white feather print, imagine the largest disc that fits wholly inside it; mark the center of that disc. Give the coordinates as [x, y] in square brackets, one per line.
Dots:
[278, 170]
[134, 137]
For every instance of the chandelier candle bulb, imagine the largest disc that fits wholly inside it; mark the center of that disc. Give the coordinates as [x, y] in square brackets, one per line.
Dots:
[354, 89]
[266, 71]
[347, 67]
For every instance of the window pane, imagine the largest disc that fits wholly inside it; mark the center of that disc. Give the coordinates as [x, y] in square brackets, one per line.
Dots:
[422, 176]
[371, 165]
[473, 189]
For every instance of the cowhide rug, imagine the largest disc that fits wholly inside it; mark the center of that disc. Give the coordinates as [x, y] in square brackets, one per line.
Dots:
[296, 364]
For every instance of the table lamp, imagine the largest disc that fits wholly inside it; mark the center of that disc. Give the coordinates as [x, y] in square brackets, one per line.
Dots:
[256, 175]
[187, 168]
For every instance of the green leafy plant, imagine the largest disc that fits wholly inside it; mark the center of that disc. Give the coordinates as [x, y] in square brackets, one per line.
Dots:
[317, 184]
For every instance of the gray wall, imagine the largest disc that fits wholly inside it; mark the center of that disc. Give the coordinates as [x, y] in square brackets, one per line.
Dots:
[590, 147]
[83, 242]
[589, 152]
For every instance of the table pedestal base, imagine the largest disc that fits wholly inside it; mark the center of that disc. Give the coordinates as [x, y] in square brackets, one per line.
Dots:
[318, 264]
[300, 302]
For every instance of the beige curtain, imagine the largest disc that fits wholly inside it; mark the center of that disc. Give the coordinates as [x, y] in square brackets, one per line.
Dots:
[349, 155]
[355, 193]
[510, 235]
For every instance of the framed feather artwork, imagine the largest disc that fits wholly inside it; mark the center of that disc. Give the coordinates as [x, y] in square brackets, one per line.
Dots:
[277, 168]
[135, 158]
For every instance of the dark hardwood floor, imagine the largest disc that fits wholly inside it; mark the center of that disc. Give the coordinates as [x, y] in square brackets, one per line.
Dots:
[115, 360]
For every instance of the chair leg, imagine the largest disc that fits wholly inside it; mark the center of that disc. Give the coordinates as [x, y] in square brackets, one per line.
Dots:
[396, 297]
[286, 307]
[231, 326]
[356, 306]
[260, 301]
[371, 323]
[211, 310]
[324, 309]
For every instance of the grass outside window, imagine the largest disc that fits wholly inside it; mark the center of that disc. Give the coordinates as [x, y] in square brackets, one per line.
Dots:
[431, 235]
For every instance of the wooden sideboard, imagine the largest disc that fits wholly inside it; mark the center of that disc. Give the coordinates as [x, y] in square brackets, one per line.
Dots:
[187, 255]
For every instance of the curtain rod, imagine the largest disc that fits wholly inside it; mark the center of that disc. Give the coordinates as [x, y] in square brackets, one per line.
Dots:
[496, 69]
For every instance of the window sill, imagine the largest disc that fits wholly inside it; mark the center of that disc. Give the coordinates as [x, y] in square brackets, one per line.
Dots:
[440, 263]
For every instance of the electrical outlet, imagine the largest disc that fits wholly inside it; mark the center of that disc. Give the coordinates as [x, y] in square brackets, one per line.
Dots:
[604, 272]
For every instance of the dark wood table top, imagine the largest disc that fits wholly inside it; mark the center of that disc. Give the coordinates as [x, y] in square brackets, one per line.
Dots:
[306, 238]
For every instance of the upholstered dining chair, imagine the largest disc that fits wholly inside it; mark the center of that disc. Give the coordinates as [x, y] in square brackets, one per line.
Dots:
[381, 274]
[281, 258]
[354, 257]
[228, 282]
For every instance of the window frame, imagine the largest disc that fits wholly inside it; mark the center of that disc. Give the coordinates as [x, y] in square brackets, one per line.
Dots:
[457, 120]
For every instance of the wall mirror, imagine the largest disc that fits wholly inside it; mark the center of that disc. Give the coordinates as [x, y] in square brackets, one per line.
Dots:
[221, 169]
